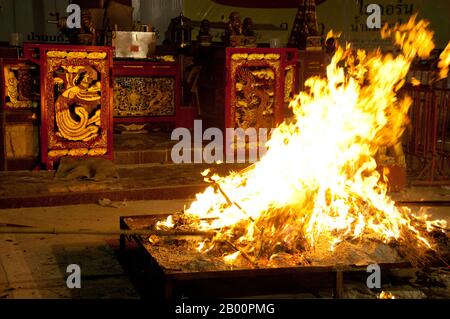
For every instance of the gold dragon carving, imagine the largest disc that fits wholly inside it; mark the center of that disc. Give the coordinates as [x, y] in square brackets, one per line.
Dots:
[255, 88]
[254, 98]
[288, 84]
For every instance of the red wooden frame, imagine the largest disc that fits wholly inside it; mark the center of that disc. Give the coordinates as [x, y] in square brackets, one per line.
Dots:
[3, 63]
[150, 69]
[288, 57]
[12, 115]
[37, 54]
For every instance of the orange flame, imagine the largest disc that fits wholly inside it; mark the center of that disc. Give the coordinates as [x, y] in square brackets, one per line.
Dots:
[318, 183]
[444, 61]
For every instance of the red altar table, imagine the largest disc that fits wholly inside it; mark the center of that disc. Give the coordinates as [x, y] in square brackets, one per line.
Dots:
[146, 92]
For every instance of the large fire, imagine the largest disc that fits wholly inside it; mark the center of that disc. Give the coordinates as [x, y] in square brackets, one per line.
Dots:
[318, 185]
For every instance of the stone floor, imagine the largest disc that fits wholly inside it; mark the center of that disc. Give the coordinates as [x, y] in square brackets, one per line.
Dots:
[140, 142]
[132, 148]
[146, 173]
[34, 266]
[139, 182]
[135, 182]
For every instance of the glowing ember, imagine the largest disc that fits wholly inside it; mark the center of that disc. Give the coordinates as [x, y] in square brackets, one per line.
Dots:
[318, 186]
[386, 295]
[167, 223]
[415, 82]
[231, 258]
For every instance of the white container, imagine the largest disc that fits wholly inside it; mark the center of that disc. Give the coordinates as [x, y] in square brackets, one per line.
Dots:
[135, 45]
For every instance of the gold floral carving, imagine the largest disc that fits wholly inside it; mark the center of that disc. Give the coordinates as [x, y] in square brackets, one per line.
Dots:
[272, 56]
[97, 151]
[77, 55]
[78, 152]
[57, 54]
[57, 153]
[239, 56]
[255, 56]
[144, 96]
[96, 56]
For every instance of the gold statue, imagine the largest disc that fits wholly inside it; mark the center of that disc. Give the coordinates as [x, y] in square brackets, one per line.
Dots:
[247, 28]
[249, 33]
[204, 36]
[87, 34]
[233, 32]
[234, 24]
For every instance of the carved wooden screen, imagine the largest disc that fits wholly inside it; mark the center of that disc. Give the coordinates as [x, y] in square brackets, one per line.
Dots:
[20, 85]
[260, 83]
[76, 108]
[146, 92]
[144, 96]
[19, 138]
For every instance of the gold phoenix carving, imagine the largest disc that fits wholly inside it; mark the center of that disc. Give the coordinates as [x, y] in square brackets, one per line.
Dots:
[77, 109]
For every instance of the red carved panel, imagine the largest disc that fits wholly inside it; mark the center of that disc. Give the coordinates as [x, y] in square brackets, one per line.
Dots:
[76, 100]
[137, 83]
[260, 81]
[19, 127]
[20, 85]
